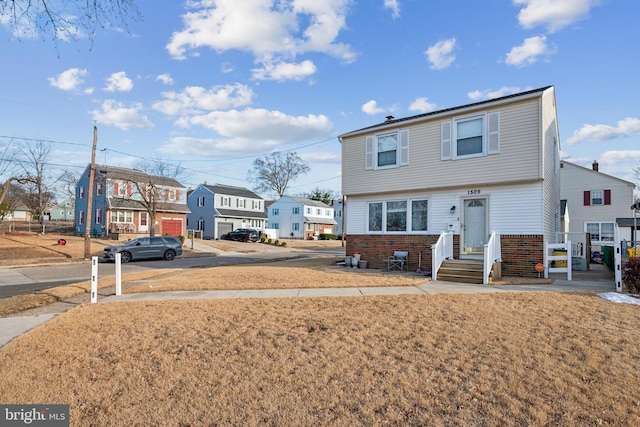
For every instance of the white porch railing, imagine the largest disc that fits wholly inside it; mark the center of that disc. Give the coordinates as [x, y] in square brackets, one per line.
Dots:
[441, 250]
[492, 254]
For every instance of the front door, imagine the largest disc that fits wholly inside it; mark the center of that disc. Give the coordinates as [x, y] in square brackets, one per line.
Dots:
[475, 226]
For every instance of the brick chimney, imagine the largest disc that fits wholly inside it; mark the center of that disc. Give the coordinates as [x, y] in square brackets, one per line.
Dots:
[595, 166]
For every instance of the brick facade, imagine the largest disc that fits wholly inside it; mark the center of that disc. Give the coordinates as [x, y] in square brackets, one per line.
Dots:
[520, 253]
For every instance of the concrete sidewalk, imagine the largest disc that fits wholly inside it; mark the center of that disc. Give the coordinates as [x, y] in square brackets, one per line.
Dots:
[599, 280]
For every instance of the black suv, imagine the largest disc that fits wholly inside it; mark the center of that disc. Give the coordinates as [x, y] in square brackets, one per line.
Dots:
[243, 235]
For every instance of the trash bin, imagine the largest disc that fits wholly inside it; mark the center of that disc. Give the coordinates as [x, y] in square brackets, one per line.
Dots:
[560, 263]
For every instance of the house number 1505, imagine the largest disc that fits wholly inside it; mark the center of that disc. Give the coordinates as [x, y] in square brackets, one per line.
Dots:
[473, 192]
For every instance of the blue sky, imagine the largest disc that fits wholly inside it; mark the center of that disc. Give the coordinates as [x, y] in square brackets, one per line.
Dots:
[214, 84]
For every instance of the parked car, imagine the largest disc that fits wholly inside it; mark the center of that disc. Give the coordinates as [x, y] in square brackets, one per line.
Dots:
[165, 247]
[243, 235]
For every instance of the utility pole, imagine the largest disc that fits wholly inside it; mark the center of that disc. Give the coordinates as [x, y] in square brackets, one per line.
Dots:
[89, 216]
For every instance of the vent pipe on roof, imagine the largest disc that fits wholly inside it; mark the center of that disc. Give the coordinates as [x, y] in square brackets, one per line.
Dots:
[595, 166]
[389, 118]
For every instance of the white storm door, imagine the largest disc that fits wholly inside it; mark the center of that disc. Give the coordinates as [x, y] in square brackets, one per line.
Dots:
[475, 226]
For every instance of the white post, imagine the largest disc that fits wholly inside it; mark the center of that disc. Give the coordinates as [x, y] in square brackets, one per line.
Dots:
[118, 274]
[618, 268]
[94, 279]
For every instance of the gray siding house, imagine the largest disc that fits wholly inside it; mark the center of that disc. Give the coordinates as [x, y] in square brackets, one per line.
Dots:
[218, 209]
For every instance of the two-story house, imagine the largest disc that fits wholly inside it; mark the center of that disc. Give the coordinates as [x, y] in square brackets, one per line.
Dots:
[468, 170]
[301, 218]
[218, 209]
[63, 211]
[596, 202]
[127, 201]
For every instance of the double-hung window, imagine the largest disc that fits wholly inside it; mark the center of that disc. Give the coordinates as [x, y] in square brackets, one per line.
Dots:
[387, 150]
[275, 211]
[201, 201]
[470, 136]
[295, 210]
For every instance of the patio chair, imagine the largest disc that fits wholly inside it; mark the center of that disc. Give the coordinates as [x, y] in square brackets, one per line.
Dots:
[399, 261]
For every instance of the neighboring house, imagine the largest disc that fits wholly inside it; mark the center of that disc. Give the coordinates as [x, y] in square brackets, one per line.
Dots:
[301, 218]
[63, 211]
[20, 213]
[596, 201]
[218, 209]
[338, 212]
[469, 170]
[120, 197]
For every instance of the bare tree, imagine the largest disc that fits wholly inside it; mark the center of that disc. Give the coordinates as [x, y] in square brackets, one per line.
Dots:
[7, 169]
[34, 175]
[68, 181]
[11, 198]
[66, 20]
[275, 171]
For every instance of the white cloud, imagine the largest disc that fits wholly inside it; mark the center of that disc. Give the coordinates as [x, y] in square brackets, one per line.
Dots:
[116, 114]
[248, 131]
[119, 82]
[372, 108]
[529, 52]
[627, 127]
[196, 99]
[269, 29]
[394, 6]
[227, 67]
[285, 71]
[422, 105]
[441, 55]
[165, 79]
[615, 157]
[262, 126]
[478, 95]
[552, 14]
[69, 80]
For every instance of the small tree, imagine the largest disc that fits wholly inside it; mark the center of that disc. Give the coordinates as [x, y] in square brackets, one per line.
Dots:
[35, 176]
[322, 195]
[275, 171]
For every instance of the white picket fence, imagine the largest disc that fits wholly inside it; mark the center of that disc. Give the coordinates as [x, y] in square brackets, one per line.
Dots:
[551, 261]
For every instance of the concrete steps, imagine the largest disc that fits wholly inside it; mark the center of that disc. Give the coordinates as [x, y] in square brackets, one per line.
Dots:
[461, 271]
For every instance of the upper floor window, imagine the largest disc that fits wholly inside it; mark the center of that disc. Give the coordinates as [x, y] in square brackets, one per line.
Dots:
[200, 203]
[275, 211]
[81, 192]
[240, 203]
[255, 204]
[225, 201]
[470, 136]
[327, 212]
[308, 211]
[318, 212]
[98, 189]
[295, 210]
[387, 150]
[597, 197]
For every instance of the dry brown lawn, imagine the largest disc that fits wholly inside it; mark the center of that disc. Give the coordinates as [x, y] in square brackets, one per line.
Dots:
[19, 248]
[531, 359]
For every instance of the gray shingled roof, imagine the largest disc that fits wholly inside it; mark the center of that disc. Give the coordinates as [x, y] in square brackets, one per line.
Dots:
[135, 175]
[232, 191]
[120, 203]
[241, 214]
[309, 202]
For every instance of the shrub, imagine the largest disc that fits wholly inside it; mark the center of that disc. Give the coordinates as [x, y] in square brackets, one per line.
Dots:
[181, 238]
[328, 236]
[277, 242]
[263, 238]
[269, 241]
[284, 244]
[631, 275]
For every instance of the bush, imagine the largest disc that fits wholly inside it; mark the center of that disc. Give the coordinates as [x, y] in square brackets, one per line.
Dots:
[631, 275]
[277, 242]
[269, 241]
[263, 238]
[283, 244]
[328, 236]
[181, 238]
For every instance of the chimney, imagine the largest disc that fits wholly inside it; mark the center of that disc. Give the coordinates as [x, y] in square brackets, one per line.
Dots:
[595, 166]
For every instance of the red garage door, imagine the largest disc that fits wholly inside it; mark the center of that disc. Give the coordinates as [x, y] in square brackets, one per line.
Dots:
[172, 226]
